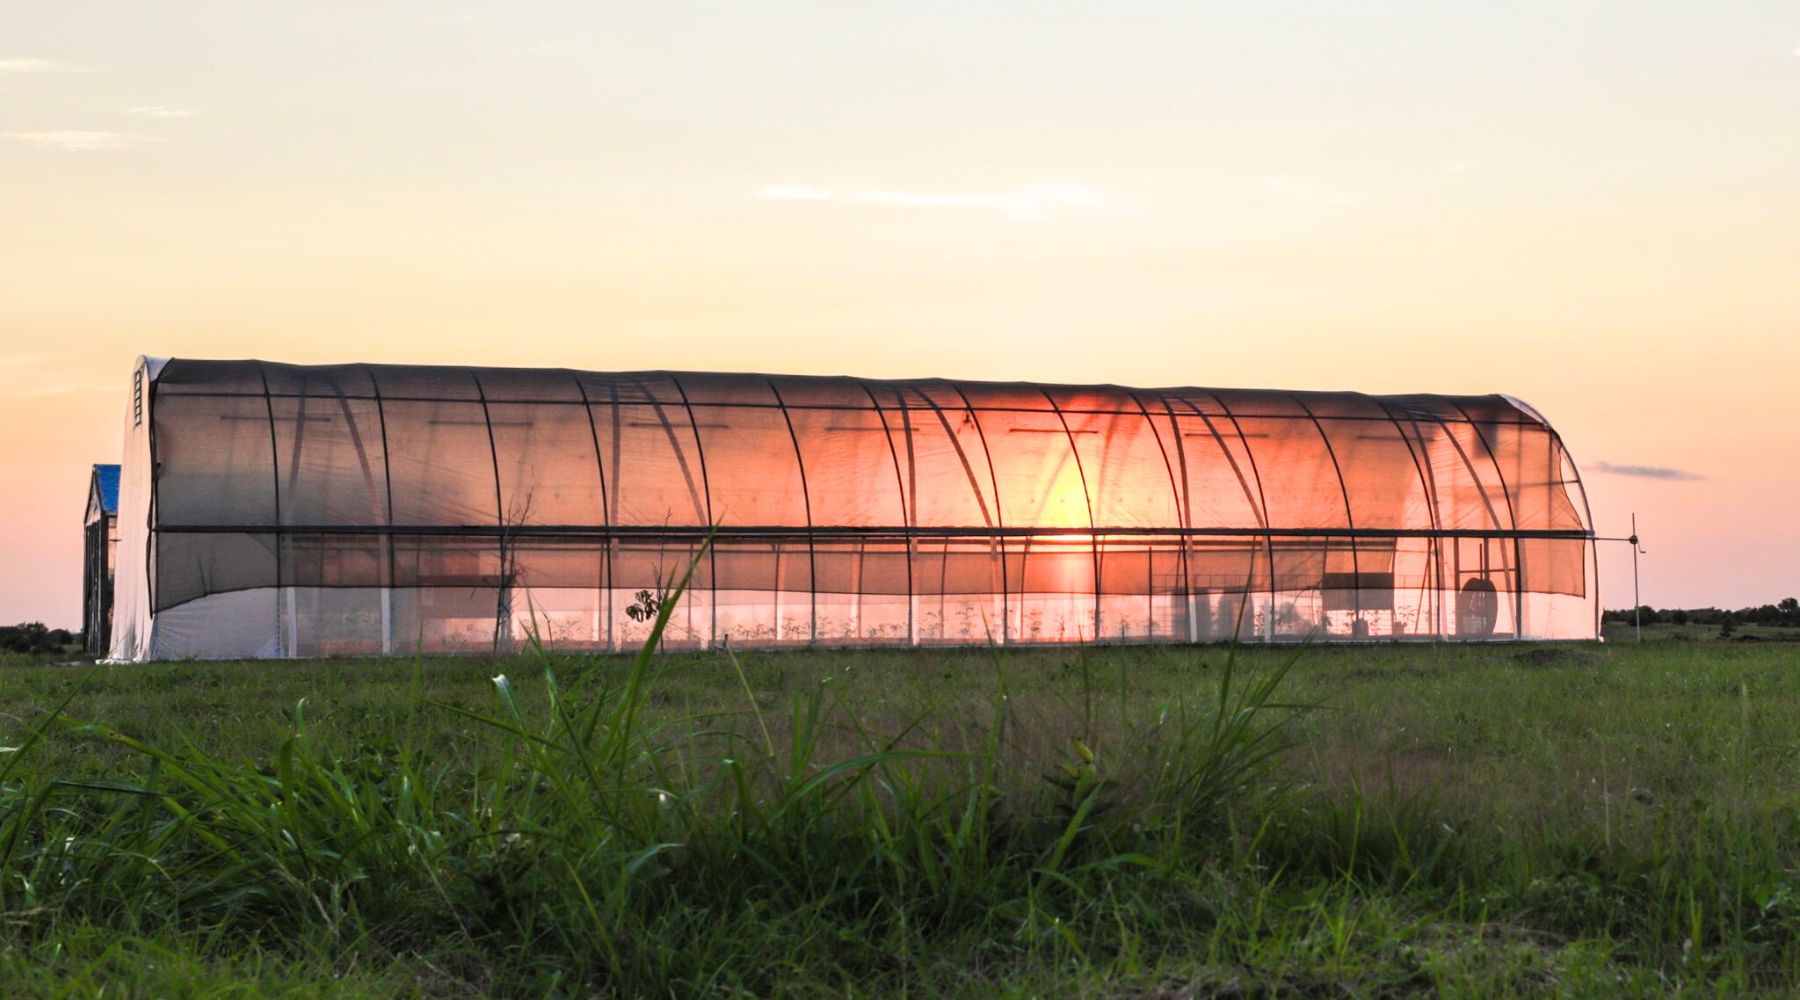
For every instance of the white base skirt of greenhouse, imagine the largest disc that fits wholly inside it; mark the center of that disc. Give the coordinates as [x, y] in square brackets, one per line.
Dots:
[290, 622]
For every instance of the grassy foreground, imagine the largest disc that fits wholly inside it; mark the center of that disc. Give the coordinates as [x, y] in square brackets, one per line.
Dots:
[1620, 819]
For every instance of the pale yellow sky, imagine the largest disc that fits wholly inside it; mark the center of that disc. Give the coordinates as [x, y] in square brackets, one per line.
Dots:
[1595, 207]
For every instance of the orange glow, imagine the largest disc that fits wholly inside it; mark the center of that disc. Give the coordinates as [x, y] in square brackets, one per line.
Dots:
[304, 511]
[1077, 196]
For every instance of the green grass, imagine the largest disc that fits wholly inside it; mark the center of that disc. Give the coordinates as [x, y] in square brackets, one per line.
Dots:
[1609, 819]
[1743, 632]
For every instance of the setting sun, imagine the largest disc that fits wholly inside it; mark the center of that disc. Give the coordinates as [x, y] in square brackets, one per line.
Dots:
[1389, 200]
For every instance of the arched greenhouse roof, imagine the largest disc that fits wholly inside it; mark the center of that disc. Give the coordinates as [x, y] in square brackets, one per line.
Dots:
[1007, 497]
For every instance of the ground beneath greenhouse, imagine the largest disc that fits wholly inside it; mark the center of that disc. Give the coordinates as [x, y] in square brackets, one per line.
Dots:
[1615, 818]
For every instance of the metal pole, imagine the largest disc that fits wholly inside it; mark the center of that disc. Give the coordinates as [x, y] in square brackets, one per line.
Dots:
[1637, 603]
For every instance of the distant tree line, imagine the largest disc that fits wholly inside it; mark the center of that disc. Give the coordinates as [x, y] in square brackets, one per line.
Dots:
[1784, 613]
[33, 637]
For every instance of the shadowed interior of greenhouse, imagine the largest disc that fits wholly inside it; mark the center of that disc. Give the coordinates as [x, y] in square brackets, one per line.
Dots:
[370, 509]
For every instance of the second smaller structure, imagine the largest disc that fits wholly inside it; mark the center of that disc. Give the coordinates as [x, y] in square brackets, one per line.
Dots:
[101, 528]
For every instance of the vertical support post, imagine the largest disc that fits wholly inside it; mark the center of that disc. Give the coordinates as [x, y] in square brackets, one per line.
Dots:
[777, 548]
[602, 592]
[903, 495]
[1512, 515]
[284, 648]
[1260, 504]
[291, 640]
[1427, 489]
[812, 557]
[856, 606]
[712, 524]
[1178, 495]
[1149, 590]
[503, 594]
[1349, 521]
[1518, 584]
[1269, 616]
[1087, 497]
[1637, 601]
[387, 538]
[996, 542]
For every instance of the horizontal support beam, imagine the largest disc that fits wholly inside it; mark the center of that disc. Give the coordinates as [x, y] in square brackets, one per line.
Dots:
[915, 405]
[884, 532]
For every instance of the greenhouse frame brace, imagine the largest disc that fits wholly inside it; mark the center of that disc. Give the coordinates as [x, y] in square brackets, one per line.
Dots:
[273, 510]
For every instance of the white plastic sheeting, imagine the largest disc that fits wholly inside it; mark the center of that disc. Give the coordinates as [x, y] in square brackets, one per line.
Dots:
[368, 509]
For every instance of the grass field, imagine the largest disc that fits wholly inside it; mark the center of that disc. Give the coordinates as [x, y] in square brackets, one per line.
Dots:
[1615, 819]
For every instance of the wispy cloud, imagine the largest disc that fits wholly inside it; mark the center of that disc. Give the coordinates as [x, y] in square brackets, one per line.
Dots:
[161, 111]
[27, 65]
[76, 140]
[1647, 472]
[795, 192]
[1025, 203]
[1302, 189]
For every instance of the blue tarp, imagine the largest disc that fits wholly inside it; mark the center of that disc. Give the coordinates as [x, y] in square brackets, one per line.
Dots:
[106, 477]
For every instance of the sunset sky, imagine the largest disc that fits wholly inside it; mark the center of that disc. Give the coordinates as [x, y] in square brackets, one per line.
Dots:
[1591, 206]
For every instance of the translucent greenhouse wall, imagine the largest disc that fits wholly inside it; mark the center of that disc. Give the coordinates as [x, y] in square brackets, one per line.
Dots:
[364, 509]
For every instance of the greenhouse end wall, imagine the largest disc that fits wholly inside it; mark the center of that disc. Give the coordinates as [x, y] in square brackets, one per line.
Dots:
[371, 509]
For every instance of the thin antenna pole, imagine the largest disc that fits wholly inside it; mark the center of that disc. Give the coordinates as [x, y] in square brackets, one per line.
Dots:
[1637, 602]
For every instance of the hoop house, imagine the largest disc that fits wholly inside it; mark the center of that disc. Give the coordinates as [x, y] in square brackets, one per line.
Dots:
[100, 535]
[367, 509]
